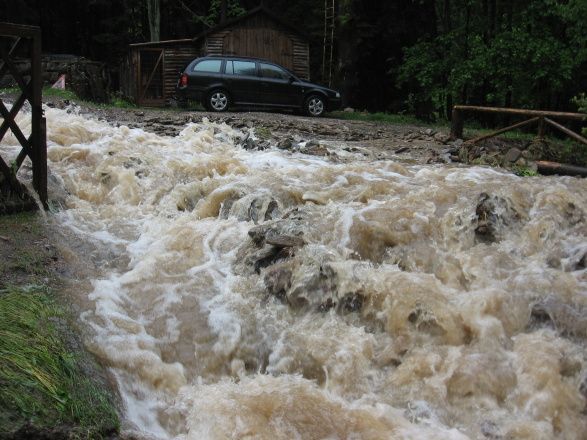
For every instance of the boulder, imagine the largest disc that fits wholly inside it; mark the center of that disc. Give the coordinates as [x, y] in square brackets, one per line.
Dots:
[512, 155]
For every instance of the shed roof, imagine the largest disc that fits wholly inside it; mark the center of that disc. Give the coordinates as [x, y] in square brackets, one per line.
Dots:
[163, 43]
[258, 10]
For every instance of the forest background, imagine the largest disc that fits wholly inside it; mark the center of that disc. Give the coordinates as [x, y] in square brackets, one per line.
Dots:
[412, 56]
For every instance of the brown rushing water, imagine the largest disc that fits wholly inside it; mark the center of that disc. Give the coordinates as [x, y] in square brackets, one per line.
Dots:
[419, 301]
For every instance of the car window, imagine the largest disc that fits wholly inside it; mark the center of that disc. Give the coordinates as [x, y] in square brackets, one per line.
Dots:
[247, 68]
[271, 71]
[210, 66]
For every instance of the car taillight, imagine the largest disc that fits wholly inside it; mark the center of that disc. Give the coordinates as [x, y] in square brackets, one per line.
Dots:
[183, 80]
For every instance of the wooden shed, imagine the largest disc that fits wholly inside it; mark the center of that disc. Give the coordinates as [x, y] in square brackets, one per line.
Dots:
[150, 72]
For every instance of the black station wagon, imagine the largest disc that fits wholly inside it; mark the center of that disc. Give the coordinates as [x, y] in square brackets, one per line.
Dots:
[222, 82]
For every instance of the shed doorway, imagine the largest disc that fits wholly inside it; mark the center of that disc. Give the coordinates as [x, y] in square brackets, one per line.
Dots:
[151, 68]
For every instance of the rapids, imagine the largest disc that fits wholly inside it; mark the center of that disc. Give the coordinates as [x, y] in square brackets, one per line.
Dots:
[275, 295]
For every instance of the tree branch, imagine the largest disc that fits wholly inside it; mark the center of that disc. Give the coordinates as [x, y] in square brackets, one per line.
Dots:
[194, 15]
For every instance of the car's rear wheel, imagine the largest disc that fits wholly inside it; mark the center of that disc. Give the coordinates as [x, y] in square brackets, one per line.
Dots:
[218, 101]
[315, 106]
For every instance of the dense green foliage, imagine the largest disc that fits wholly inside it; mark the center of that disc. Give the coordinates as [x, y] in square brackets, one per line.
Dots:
[581, 102]
[415, 56]
[41, 379]
[529, 53]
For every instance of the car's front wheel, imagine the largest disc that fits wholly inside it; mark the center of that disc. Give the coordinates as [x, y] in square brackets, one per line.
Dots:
[218, 101]
[315, 105]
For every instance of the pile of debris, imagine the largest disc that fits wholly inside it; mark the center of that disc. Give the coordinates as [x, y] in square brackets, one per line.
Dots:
[512, 154]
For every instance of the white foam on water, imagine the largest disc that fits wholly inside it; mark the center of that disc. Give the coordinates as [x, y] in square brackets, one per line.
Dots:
[410, 322]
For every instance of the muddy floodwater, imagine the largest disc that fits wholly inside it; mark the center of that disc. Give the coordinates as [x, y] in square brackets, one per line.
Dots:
[275, 295]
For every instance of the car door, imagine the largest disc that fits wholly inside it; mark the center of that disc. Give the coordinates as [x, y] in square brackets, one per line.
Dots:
[241, 77]
[204, 74]
[277, 86]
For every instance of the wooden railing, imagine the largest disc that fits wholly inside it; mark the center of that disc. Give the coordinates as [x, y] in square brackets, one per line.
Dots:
[539, 117]
[24, 39]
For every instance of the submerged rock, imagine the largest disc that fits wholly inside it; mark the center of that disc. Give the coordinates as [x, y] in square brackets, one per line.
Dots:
[285, 144]
[492, 213]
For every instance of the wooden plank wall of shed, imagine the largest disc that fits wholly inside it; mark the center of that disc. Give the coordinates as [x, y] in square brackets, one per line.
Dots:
[263, 43]
[255, 29]
[176, 59]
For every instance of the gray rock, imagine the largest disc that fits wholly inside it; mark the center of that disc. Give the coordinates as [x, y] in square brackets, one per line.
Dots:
[441, 138]
[284, 240]
[521, 162]
[512, 155]
[249, 144]
[285, 144]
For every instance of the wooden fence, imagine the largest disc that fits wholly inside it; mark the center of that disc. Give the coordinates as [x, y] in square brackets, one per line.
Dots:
[542, 118]
[24, 40]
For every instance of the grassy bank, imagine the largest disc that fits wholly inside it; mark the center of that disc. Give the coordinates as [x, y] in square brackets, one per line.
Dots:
[50, 386]
[42, 380]
[387, 118]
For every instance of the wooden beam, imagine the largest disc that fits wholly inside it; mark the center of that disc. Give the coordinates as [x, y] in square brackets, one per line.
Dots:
[3, 66]
[11, 29]
[522, 112]
[457, 124]
[24, 142]
[503, 130]
[566, 131]
[16, 106]
[547, 167]
[40, 170]
[38, 123]
[13, 70]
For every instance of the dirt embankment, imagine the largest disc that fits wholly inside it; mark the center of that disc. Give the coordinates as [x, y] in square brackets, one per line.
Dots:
[50, 387]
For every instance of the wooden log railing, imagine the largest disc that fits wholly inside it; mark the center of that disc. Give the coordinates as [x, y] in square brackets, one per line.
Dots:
[26, 39]
[539, 117]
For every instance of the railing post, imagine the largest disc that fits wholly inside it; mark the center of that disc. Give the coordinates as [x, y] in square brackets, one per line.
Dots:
[457, 124]
[541, 128]
[38, 123]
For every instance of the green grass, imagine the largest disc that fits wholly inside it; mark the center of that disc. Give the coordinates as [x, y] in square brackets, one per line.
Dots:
[470, 133]
[263, 132]
[41, 380]
[524, 171]
[8, 90]
[388, 118]
[59, 93]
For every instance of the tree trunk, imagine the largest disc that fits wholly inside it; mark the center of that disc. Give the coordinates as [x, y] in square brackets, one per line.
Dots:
[446, 16]
[154, 13]
[223, 9]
